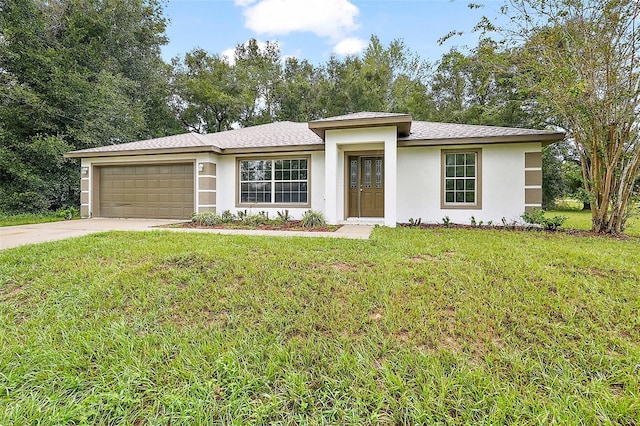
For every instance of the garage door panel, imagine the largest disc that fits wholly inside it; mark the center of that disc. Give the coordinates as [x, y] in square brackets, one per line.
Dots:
[150, 191]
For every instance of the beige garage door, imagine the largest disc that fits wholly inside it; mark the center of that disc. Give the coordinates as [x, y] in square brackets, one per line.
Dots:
[152, 191]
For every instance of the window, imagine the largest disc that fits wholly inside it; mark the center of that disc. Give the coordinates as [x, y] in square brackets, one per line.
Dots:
[461, 179]
[274, 181]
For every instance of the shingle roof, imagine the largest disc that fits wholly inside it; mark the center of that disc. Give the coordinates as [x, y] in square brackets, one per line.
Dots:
[280, 134]
[185, 140]
[284, 133]
[425, 130]
[288, 134]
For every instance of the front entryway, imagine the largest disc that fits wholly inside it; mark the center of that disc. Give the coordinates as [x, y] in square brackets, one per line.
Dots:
[366, 186]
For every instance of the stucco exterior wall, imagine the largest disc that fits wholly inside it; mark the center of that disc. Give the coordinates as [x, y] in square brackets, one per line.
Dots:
[228, 183]
[503, 183]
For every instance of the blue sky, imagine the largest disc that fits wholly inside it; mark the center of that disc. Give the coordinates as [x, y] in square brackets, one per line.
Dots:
[315, 29]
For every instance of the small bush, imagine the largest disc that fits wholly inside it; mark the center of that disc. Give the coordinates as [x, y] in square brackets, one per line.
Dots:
[536, 217]
[255, 219]
[313, 219]
[414, 223]
[206, 219]
[446, 221]
[68, 213]
[228, 217]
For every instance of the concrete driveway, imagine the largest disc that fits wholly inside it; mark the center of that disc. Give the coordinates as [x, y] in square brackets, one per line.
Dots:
[14, 236]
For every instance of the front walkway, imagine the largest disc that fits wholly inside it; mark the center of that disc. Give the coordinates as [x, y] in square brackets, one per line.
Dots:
[14, 236]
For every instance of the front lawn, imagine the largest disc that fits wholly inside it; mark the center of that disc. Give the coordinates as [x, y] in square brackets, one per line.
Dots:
[414, 326]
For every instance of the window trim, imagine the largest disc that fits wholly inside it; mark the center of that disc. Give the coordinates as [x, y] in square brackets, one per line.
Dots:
[273, 204]
[461, 206]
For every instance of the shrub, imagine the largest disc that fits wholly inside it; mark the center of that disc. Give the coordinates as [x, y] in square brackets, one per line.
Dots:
[68, 213]
[206, 219]
[284, 216]
[255, 219]
[228, 217]
[313, 219]
[536, 217]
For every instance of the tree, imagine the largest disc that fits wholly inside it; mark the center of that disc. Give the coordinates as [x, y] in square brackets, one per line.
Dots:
[258, 73]
[388, 79]
[298, 94]
[207, 95]
[580, 60]
[73, 75]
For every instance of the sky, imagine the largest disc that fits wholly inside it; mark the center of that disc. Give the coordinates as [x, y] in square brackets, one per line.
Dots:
[316, 29]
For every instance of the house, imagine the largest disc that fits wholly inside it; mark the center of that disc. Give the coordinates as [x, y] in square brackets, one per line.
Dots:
[370, 167]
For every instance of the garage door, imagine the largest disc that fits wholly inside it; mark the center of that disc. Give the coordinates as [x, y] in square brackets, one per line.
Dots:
[152, 191]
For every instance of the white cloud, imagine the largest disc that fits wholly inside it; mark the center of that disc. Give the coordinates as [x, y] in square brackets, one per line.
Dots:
[333, 19]
[350, 46]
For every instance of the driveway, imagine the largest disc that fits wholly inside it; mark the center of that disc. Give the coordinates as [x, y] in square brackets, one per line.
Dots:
[13, 236]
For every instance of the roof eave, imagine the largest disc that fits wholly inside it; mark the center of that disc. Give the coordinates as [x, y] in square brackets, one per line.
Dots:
[545, 139]
[402, 122]
[266, 149]
[152, 151]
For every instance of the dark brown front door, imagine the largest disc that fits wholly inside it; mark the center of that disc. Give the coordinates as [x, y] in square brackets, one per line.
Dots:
[366, 186]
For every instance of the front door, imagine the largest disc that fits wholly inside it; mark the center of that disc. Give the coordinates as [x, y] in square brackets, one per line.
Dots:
[366, 186]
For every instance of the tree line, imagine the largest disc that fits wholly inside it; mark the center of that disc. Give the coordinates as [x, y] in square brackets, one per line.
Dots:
[76, 74]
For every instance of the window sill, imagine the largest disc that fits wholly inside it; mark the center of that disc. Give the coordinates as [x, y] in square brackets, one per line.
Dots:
[461, 207]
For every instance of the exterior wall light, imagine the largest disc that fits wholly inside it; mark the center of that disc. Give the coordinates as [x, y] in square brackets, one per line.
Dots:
[84, 170]
[200, 167]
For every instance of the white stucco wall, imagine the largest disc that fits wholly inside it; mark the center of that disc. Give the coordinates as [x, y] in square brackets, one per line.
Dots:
[227, 182]
[503, 177]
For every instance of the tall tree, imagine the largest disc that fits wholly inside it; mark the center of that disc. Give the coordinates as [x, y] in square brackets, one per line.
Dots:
[74, 74]
[298, 93]
[258, 71]
[581, 60]
[208, 97]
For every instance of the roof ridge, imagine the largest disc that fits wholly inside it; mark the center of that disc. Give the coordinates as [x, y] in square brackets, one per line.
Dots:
[201, 138]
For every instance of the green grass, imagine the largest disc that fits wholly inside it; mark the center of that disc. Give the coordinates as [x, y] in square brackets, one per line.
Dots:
[31, 218]
[448, 326]
[582, 220]
[568, 204]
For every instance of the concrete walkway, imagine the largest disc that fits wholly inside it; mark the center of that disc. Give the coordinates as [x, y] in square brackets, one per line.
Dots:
[14, 236]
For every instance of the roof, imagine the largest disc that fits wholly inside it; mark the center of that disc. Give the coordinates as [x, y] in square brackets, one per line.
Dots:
[362, 119]
[285, 135]
[290, 136]
[435, 133]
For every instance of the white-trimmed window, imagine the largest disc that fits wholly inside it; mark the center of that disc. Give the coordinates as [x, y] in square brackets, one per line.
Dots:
[274, 181]
[461, 179]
